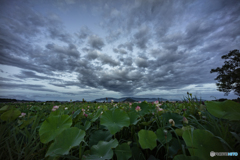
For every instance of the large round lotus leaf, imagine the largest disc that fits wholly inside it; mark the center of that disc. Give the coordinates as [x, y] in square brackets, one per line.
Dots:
[4, 109]
[114, 120]
[137, 152]
[147, 139]
[133, 117]
[202, 143]
[123, 152]
[178, 119]
[103, 150]
[183, 157]
[53, 126]
[99, 136]
[69, 138]
[10, 115]
[161, 136]
[174, 147]
[227, 110]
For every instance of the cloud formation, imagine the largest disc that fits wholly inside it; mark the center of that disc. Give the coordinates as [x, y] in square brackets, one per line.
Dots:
[117, 48]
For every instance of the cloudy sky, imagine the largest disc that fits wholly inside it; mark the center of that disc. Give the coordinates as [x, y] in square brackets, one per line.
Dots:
[74, 49]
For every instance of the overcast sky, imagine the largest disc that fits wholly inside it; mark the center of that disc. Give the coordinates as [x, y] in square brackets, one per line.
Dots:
[70, 49]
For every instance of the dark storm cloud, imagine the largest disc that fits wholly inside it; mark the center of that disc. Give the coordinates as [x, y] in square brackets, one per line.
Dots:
[83, 33]
[121, 51]
[59, 34]
[141, 38]
[104, 58]
[179, 42]
[140, 62]
[33, 87]
[127, 45]
[96, 42]
[113, 36]
[33, 75]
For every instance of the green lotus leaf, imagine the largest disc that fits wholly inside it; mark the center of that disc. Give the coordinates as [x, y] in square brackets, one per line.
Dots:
[99, 136]
[227, 110]
[161, 136]
[114, 120]
[137, 152]
[174, 147]
[123, 151]
[53, 126]
[147, 139]
[96, 115]
[103, 150]
[4, 109]
[10, 115]
[67, 139]
[27, 122]
[183, 157]
[152, 158]
[178, 119]
[180, 131]
[201, 142]
[76, 113]
[133, 117]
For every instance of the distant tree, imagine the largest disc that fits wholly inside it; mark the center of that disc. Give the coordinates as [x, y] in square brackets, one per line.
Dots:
[229, 74]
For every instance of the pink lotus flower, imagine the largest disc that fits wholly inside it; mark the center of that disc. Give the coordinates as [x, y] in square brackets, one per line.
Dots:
[160, 109]
[55, 107]
[139, 102]
[85, 115]
[130, 104]
[98, 107]
[83, 110]
[138, 108]
[88, 107]
[22, 115]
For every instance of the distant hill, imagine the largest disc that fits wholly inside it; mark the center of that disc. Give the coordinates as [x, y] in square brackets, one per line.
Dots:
[129, 100]
[132, 98]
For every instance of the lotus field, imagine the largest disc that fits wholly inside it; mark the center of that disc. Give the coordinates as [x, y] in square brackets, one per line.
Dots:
[119, 131]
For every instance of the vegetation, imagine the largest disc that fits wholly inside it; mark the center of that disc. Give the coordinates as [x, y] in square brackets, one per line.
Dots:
[134, 131]
[229, 74]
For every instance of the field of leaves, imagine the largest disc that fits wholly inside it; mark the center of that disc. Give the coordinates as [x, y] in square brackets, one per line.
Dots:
[119, 131]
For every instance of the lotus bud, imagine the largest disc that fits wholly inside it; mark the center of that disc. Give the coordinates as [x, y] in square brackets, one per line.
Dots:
[185, 120]
[172, 122]
[165, 132]
[199, 113]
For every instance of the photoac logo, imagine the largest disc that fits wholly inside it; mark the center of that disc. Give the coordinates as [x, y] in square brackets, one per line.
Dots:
[212, 153]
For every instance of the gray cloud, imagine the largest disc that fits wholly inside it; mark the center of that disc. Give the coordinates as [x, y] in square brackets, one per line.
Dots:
[176, 44]
[96, 42]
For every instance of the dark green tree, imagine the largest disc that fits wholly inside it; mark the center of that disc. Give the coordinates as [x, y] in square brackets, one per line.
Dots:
[229, 75]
